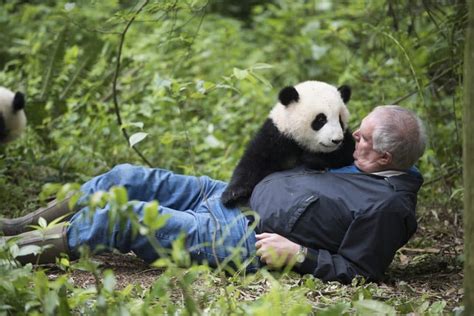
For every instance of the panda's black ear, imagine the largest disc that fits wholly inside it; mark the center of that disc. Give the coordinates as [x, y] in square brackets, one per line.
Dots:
[288, 95]
[18, 102]
[345, 92]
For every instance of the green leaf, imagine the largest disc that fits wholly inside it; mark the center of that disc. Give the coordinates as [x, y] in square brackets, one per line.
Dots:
[109, 281]
[240, 74]
[197, 95]
[136, 138]
[437, 308]
[64, 262]
[162, 263]
[179, 253]
[73, 201]
[50, 302]
[42, 222]
[167, 138]
[132, 124]
[227, 87]
[28, 250]
[119, 194]
[98, 199]
[335, 310]
[261, 79]
[372, 307]
[67, 189]
[208, 85]
[48, 190]
[423, 307]
[151, 215]
[14, 250]
[259, 66]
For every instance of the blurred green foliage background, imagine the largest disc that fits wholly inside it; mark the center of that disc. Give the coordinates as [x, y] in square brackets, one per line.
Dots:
[195, 82]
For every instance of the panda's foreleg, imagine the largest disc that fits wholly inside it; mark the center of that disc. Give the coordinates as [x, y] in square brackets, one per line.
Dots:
[239, 189]
[249, 171]
[263, 155]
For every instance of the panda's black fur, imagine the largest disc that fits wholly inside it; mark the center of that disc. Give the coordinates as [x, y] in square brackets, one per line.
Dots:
[271, 150]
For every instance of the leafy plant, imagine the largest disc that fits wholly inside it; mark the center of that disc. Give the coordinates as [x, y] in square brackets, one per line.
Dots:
[193, 86]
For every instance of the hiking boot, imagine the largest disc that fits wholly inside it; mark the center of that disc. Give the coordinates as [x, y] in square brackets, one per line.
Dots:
[54, 209]
[54, 241]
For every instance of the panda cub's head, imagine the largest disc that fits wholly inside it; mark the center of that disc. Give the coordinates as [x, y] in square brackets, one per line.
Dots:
[314, 114]
[12, 115]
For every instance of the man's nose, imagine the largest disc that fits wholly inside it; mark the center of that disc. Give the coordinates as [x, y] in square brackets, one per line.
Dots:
[356, 135]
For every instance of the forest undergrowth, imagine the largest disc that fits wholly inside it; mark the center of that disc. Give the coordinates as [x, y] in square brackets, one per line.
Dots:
[184, 85]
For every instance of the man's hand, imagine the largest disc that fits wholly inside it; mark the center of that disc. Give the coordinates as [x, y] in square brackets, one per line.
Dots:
[275, 250]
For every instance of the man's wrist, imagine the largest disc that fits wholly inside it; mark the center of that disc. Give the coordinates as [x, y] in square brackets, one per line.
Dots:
[300, 256]
[310, 263]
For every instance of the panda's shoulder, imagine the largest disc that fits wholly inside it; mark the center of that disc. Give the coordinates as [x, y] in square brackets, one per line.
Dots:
[6, 98]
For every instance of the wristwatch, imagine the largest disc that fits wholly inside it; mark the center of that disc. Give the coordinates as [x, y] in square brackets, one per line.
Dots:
[301, 254]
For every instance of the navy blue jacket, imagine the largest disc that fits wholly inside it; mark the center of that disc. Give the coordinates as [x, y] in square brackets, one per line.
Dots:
[352, 223]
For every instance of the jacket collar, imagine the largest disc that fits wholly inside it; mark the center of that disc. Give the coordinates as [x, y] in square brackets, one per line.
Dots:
[410, 180]
[406, 182]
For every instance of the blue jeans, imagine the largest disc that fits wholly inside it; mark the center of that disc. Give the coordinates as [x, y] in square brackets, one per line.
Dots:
[212, 232]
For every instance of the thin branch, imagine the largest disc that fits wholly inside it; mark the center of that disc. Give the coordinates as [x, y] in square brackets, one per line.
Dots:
[219, 228]
[433, 19]
[397, 101]
[451, 172]
[410, 64]
[116, 75]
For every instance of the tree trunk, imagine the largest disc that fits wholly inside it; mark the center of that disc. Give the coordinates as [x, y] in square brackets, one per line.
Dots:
[468, 164]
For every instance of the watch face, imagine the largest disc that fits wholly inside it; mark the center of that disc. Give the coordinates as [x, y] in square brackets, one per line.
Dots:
[301, 254]
[300, 257]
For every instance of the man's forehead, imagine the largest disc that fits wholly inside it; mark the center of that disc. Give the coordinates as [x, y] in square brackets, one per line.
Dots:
[368, 120]
[367, 126]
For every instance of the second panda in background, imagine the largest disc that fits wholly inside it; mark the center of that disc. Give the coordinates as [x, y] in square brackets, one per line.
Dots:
[12, 115]
[308, 126]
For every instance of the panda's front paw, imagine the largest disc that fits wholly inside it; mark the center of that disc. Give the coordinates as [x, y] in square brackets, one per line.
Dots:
[235, 197]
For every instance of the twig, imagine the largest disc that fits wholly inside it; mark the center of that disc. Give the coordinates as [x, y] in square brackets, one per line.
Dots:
[419, 89]
[421, 250]
[449, 173]
[114, 83]
[397, 101]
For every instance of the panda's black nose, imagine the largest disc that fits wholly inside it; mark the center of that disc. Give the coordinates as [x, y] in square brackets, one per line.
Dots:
[337, 141]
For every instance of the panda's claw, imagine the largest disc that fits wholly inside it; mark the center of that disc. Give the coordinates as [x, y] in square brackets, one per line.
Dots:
[227, 199]
[232, 198]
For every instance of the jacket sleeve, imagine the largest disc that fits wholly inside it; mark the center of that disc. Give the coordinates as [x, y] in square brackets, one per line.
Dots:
[368, 247]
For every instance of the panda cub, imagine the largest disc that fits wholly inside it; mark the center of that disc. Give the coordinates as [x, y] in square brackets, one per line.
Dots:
[12, 115]
[308, 126]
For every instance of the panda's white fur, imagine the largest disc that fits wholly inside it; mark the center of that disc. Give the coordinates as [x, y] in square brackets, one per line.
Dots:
[294, 120]
[12, 121]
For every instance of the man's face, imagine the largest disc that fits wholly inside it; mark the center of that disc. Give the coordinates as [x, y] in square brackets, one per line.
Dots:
[365, 157]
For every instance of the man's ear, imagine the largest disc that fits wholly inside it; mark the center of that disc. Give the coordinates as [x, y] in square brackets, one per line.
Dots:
[386, 159]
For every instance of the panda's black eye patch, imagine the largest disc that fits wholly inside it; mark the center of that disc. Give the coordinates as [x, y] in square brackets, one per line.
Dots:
[319, 122]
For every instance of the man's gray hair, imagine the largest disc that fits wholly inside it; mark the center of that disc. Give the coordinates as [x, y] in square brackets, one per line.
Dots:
[400, 132]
